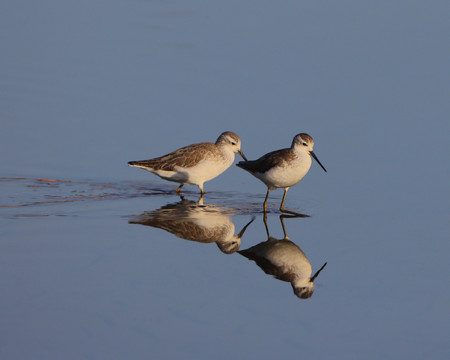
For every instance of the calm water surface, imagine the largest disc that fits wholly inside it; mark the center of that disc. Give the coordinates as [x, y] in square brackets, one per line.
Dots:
[99, 260]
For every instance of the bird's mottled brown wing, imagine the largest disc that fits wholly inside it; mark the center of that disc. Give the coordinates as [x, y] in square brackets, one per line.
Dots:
[267, 161]
[185, 157]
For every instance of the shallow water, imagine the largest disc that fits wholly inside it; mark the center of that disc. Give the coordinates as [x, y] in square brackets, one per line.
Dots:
[100, 260]
[116, 269]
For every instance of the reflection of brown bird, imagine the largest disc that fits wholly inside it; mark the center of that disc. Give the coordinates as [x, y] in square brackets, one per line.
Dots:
[191, 221]
[285, 261]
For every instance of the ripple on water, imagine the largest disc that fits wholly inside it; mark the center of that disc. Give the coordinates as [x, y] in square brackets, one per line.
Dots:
[39, 195]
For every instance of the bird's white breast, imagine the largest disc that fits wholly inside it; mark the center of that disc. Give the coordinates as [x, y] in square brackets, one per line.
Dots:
[287, 174]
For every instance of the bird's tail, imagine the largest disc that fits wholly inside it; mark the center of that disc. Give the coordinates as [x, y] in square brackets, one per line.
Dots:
[144, 164]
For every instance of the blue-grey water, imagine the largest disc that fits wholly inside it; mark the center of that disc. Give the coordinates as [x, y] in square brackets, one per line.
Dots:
[102, 261]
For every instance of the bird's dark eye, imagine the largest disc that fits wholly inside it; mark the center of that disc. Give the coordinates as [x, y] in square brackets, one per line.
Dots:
[233, 143]
[305, 144]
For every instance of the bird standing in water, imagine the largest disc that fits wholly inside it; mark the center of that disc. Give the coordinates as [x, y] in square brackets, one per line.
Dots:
[283, 168]
[197, 163]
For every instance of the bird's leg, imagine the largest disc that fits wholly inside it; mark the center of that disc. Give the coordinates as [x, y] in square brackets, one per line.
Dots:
[178, 189]
[282, 201]
[202, 192]
[282, 209]
[265, 202]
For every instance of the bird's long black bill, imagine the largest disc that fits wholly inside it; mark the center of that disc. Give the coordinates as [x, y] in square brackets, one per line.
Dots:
[242, 154]
[318, 272]
[315, 158]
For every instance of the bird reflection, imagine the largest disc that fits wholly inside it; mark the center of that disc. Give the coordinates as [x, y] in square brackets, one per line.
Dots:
[285, 261]
[192, 220]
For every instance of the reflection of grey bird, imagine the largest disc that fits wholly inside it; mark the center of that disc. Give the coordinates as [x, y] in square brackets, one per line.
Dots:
[285, 261]
[196, 222]
[197, 163]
